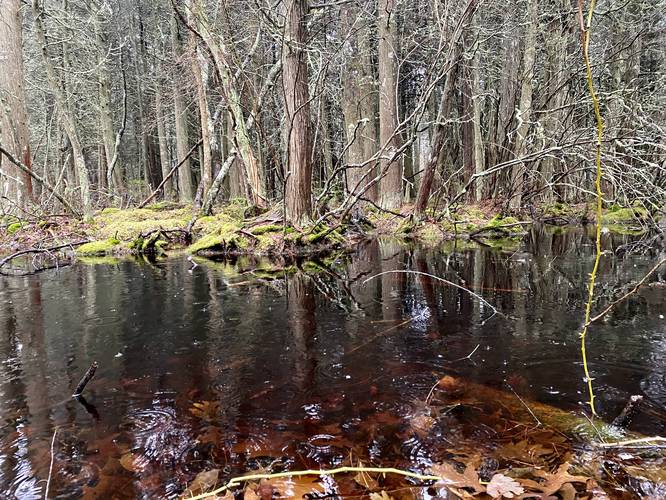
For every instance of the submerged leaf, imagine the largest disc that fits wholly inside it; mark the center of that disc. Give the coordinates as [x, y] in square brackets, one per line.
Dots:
[366, 480]
[502, 486]
[451, 477]
[421, 424]
[205, 481]
[133, 462]
[553, 482]
[297, 487]
[380, 496]
[206, 410]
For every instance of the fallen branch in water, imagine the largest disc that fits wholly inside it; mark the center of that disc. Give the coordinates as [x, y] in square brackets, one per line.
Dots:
[86, 378]
[632, 442]
[11, 257]
[451, 283]
[628, 412]
[236, 481]
[628, 294]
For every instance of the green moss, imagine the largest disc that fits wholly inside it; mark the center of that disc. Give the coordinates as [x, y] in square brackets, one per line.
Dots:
[625, 229]
[558, 210]
[13, 228]
[429, 233]
[127, 225]
[625, 215]
[164, 205]
[102, 247]
[268, 228]
[500, 223]
[208, 242]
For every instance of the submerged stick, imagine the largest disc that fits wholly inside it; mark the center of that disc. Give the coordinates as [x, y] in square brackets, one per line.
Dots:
[625, 416]
[86, 378]
[48, 479]
[450, 283]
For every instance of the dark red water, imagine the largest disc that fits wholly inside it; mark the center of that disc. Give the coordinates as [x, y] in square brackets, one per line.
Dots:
[228, 366]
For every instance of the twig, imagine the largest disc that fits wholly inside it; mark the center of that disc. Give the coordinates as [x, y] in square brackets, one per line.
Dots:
[48, 479]
[451, 283]
[86, 378]
[170, 174]
[340, 470]
[585, 33]
[631, 442]
[626, 295]
[525, 405]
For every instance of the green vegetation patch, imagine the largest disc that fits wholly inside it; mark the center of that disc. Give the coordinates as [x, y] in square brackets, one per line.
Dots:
[14, 228]
[127, 225]
[617, 215]
[101, 247]
[507, 225]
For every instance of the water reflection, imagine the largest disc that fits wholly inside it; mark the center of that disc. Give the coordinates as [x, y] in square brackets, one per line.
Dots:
[231, 365]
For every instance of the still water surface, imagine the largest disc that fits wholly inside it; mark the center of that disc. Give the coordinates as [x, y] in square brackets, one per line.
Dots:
[228, 366]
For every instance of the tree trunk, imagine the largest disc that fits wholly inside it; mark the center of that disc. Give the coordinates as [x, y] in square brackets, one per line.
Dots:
[185, 185]
[13, 113]
[165, 163]
[66, 113]
[105, 113]
[476, 97]
[391, 184]
[298, 191]
[524, 111]
[358, 106]
[200, 71]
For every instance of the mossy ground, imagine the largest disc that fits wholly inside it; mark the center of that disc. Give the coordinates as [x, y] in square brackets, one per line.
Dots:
[100, 247]
[435, 227]
[235, 228]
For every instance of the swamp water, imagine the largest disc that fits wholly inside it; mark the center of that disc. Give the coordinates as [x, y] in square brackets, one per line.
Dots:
[237, 367]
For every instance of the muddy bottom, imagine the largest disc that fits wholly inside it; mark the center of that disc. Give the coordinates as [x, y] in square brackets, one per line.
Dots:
[234, 367]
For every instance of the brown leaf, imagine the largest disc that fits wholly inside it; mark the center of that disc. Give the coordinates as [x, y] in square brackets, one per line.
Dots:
[366, 480]
[297, 487]
[206, 410]
[554, 481]
[211, 435]
[451, 477]
[421, 424]
[204, 482]
[380, 496]
[133, 462]
[265, 490]
[450, 385]
[249, 494]
[502, 486]
[523, 451]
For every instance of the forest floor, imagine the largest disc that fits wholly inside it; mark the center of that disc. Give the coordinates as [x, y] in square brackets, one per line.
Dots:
[238, 229]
